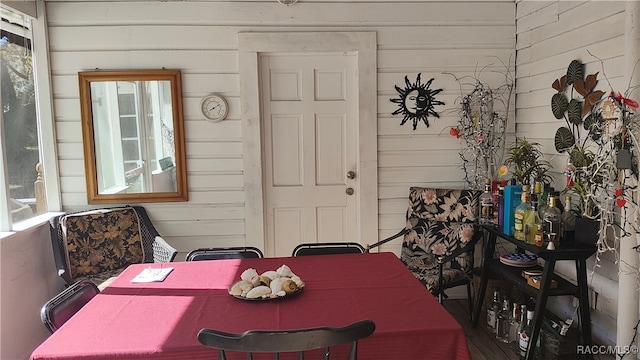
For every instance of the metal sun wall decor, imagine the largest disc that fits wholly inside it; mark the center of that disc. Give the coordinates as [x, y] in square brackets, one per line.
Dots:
[416, 101]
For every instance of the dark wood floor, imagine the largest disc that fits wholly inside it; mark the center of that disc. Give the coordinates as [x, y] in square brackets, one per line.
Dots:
[482, 344]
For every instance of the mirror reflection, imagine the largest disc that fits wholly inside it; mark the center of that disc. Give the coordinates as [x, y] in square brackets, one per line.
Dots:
[134, 146]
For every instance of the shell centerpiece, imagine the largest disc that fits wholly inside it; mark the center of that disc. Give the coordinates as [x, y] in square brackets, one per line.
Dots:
[272, 284]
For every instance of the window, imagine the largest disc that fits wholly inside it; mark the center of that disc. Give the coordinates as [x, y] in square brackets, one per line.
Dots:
[24, 75]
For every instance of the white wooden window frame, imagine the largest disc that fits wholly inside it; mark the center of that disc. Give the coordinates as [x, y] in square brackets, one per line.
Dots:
[46, 126]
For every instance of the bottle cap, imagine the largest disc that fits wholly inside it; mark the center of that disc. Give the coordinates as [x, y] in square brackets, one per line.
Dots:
[530, 314]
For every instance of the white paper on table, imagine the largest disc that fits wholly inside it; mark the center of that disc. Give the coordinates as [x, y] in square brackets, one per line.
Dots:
[152, 275]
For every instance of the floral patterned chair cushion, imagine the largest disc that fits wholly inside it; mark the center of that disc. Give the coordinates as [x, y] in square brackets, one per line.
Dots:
[100, 244]
[439, 222]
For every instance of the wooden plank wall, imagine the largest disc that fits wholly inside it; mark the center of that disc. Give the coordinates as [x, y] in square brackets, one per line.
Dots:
[550, 34]
[200, 38]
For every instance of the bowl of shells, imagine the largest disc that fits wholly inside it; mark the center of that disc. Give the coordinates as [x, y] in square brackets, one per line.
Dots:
[270, 285]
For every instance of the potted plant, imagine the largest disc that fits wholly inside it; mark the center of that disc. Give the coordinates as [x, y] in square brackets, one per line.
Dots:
[526, 163]
[576, 102]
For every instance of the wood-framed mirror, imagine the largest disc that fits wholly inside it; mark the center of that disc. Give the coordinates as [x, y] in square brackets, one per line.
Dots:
[133, 136]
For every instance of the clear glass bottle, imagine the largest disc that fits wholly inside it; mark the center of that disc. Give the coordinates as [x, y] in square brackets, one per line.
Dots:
[518, 317]
[552, 221]
[487, 205]
[568, 222]
[544, 199]
[532, 222]
[524, 334]
[503, 323]
[524, 337]
[559, 205]
[522, 211]
[492, 311]
[537, 189]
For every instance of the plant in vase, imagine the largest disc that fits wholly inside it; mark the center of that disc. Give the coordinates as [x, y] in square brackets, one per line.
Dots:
[576, 102]
[600, 145]
[525, 161]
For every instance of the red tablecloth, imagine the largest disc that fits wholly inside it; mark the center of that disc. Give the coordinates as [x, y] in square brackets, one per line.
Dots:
[161, 320]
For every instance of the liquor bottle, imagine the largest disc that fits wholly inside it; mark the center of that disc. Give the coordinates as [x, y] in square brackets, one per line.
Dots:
[487, 205]
[492, 311]
[503, 323]
[500, 207]
[544, 199]
[559, 205]
[532, 223]
[552, 221]
[522, 211]
[537, 189]
[525, 336]
[512, 198]
[518, 317]
[568, 223]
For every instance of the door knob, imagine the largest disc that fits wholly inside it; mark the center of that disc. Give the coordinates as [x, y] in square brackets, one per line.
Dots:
[349, 191]
[351, 175]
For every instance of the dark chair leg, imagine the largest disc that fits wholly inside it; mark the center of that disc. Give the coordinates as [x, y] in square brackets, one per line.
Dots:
[470, 300]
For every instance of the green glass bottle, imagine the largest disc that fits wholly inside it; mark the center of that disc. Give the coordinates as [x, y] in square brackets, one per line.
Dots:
[521, 213]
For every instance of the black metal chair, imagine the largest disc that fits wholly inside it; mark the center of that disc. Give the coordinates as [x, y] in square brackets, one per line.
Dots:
[63, 306]
[241, 252]
[282, 341]
[328, 248]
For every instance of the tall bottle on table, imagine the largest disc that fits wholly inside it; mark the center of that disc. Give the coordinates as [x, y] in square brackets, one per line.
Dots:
[533, 224]
[521, 213]
[552, 221]
[487, 206]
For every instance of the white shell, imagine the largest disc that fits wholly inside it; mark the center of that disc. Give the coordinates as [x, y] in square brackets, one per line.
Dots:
[276, 285]
[258, 291]
[249, 274]
[240, 288]
[270, 274]
[285, 271]
[298, 281]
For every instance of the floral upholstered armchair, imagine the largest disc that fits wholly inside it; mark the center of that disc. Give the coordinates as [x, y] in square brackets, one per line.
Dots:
[439, 238]
[99, 244]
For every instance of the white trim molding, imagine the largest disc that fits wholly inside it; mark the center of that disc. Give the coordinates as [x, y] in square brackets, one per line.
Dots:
[362, 43]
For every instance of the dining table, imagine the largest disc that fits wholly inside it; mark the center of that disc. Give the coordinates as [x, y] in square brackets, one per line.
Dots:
[161, 319]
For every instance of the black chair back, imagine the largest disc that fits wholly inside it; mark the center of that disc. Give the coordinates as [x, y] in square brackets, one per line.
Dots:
[328, 248]
[63, 306]
[281, 341]
[245, 252]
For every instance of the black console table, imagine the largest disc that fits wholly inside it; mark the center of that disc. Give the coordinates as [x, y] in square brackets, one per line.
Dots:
[578, 253]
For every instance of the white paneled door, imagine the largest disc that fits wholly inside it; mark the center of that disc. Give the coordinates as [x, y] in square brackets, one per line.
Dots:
[310, 137]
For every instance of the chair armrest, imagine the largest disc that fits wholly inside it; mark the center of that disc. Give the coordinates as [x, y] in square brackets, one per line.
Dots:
[384, 241]
[58, 250]
[162, 251]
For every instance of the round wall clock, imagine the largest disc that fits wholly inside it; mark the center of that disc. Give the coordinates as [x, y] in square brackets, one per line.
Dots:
[214, 107]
